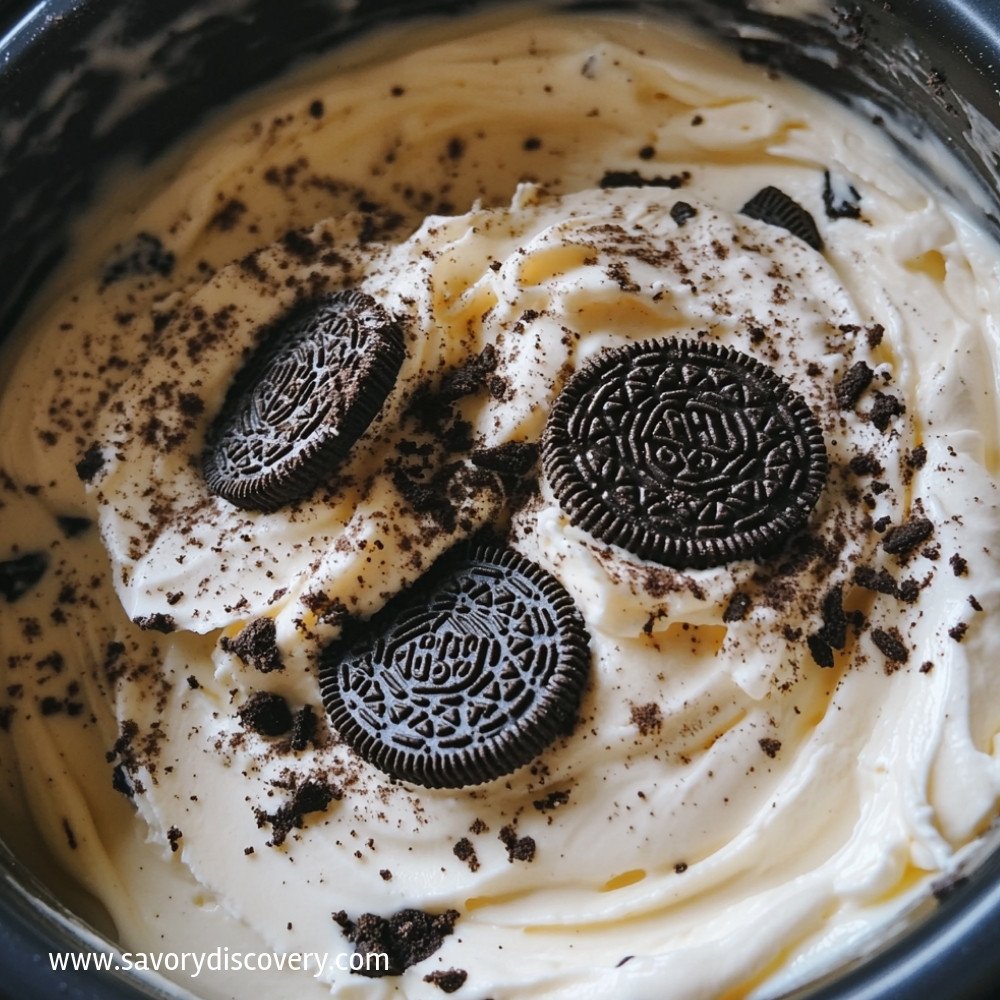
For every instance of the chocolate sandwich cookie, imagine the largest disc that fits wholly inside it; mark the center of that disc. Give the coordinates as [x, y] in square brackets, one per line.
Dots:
[296, 408]
[465, 676]
[685, 453]
[773, 206]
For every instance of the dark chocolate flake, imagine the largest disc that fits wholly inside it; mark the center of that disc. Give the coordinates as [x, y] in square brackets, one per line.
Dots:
[917, 458]
[866, 465]
[647, 718]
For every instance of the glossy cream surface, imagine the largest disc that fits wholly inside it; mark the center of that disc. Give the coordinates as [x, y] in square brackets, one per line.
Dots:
[728, 816]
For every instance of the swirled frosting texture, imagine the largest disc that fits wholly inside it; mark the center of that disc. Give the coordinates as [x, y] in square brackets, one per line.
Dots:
[774, 759]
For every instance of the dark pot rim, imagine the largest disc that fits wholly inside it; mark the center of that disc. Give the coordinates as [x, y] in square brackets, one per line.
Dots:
[951, 952]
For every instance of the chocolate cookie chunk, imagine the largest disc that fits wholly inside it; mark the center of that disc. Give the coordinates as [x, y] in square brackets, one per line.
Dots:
[688, 454]
[305, 397]
[773, 206]
[465, 676]
[403, 939]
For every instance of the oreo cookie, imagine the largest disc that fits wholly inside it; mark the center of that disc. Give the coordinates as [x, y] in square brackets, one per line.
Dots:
[302, 400]
[465, 676]
[773, 206]
[684, 453]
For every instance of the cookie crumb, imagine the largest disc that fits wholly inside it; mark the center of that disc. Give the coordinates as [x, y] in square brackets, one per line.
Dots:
[448, 981]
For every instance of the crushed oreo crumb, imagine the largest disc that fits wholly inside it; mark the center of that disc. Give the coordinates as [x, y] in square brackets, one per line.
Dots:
[518, 848]
[447, 980]
[90, 464]
[470, 377]
[19, 575]
[71, 526]
[632, 178]
[266, 713]
[773, 206]
[866, 465]
[890, 644]
[407, 937]
[843, 203]
[647, 718]
[303, 728]
[551, 801]
[681, 212]
[832, 633]
[851, 387]
[820, 651]
[256, 646]
[905, 537]
[881, 581]
[465, 851]
[946, 886]
[311, 796]
[885, 408]
[157, 622]
[514, 458]
[770, 746]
